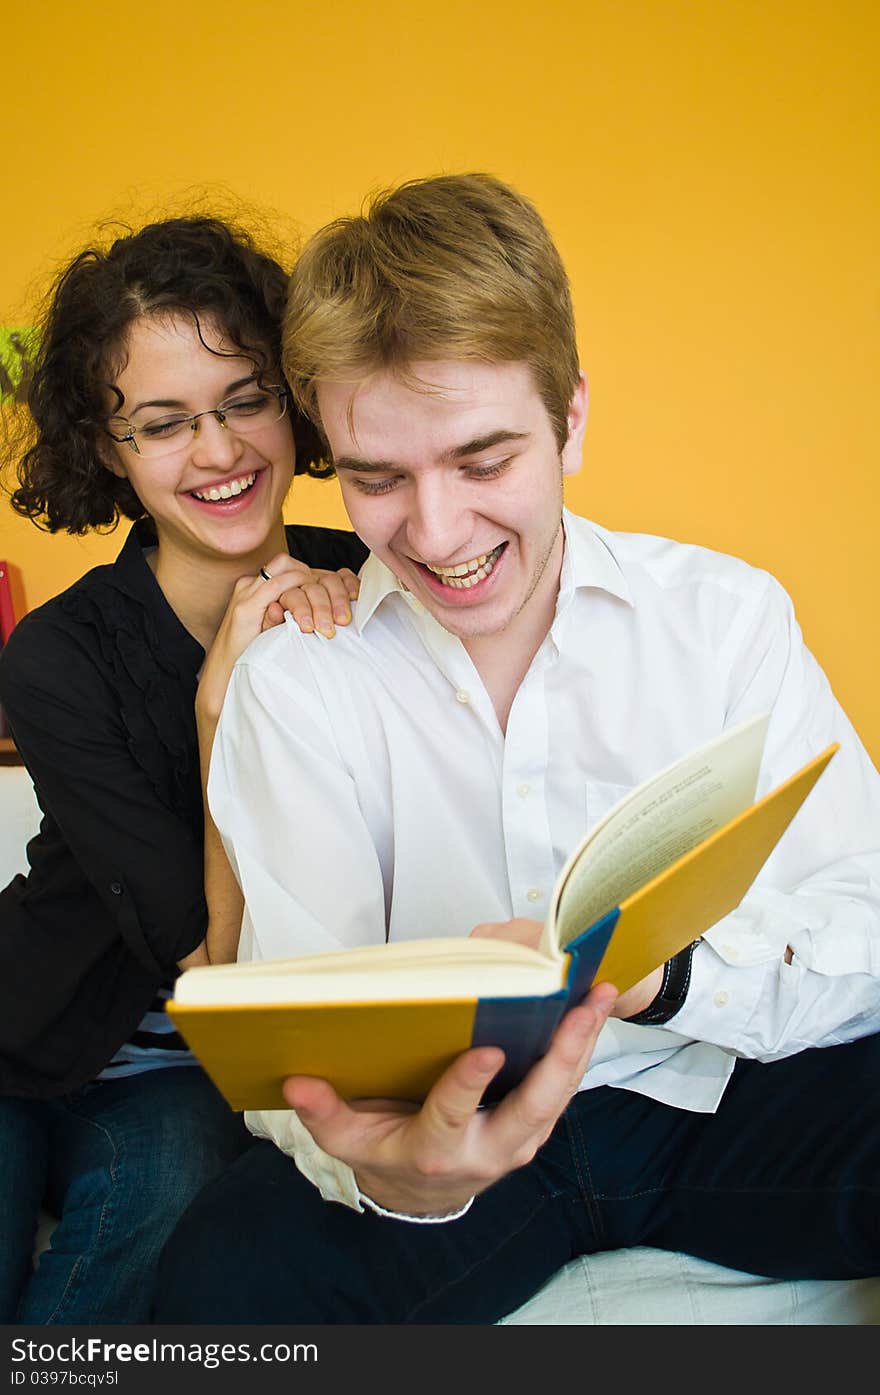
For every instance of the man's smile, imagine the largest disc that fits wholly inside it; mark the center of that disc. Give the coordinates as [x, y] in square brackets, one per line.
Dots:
[467, 574]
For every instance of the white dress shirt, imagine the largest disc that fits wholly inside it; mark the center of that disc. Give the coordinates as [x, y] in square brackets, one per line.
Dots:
[364, 790]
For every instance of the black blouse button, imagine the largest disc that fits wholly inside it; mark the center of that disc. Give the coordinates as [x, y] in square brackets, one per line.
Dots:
[116, 888]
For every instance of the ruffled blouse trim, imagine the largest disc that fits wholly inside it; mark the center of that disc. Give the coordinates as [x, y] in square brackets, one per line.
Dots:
[155, 698]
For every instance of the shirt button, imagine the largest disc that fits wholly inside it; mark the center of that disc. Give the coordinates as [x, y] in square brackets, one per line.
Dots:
[522, 790]
[462, 695]
[720, 999]
[116, 888]
[533, 894]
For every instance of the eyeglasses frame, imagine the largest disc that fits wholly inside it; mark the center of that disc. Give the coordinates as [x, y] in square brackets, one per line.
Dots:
[282, 393]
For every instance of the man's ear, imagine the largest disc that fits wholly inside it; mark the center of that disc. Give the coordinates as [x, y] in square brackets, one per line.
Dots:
[577, 425]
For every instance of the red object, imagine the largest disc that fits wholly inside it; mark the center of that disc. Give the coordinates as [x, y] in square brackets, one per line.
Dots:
[7, 608]
[7, 622]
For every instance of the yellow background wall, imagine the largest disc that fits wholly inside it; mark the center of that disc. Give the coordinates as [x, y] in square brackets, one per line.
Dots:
[707, 166]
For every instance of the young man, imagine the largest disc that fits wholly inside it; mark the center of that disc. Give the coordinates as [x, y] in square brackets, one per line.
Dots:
[512, 670]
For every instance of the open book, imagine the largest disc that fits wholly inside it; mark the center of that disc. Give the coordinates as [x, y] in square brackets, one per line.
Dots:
[665, 864]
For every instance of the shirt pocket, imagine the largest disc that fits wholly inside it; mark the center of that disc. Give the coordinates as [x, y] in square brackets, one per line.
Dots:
[600, 796]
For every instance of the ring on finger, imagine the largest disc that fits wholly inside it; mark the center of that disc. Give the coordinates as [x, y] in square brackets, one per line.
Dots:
[267, 576]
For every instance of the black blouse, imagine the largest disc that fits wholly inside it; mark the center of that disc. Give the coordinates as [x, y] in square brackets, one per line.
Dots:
[99, 687]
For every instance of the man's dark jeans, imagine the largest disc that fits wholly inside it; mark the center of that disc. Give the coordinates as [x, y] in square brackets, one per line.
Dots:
[782, 1180]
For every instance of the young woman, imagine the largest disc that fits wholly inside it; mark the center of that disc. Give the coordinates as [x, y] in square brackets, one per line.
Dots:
[157, 395]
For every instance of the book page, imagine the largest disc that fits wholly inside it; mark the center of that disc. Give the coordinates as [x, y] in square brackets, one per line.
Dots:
[433, 968]
[653, 826]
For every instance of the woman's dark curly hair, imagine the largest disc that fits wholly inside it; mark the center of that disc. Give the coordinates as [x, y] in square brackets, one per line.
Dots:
[197, 266]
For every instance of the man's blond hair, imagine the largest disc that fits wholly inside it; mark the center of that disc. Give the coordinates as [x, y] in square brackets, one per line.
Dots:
[450, 268]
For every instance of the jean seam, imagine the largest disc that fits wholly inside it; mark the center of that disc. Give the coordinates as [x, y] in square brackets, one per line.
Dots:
[580, 1158]
[74, 1281]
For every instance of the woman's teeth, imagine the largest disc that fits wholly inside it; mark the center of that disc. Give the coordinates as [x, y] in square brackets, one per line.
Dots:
[467, 574]
[225, 491]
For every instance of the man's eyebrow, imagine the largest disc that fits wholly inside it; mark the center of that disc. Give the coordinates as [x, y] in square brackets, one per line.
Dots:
[481, 443]
[174, 402]
[363, 467]
[462, 452]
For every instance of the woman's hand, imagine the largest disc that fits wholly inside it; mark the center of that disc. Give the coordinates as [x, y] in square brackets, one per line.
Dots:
[316, 598]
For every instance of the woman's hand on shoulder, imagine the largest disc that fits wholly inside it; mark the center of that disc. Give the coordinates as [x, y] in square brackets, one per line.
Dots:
[317, 599]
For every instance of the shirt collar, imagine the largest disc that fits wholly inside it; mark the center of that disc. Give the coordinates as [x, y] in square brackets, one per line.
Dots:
[130, 568]
[587, 563]
[378, 582]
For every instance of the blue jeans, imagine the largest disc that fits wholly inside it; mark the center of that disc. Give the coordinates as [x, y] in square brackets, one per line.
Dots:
[783, 1180]
[118, 1161]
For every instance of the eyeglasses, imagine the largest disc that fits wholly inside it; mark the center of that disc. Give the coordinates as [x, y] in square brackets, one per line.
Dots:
[250, 411]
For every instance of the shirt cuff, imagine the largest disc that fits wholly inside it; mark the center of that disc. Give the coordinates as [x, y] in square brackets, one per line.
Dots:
[415, 1220]
[334, 1179]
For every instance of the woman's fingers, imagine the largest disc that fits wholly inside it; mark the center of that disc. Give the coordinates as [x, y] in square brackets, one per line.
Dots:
[317, 599]
[283, 564]
[321, 601]
[312, 608]
[272, 616]
[341, 588]
[351, 581]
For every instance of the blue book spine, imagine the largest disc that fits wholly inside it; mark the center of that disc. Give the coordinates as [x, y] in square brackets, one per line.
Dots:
[523, 1027]
[587, 952]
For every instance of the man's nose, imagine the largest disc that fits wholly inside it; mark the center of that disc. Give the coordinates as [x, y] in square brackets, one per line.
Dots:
[439, 524]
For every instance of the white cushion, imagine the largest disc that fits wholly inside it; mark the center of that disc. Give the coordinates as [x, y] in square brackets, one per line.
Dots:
[19, 819]
[644, 1287]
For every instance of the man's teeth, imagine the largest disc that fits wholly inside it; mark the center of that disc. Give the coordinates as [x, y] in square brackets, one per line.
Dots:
[467, 574]
[225, 491]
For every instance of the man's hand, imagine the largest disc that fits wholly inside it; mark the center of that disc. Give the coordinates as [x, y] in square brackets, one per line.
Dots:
[521, 931]
[528, 932]
[429, 1161]
[640, 996]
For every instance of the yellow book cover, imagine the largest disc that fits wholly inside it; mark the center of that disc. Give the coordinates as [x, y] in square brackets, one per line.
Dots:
[667, 863]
